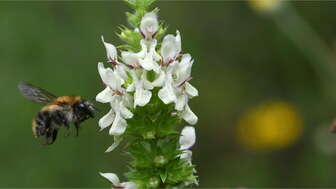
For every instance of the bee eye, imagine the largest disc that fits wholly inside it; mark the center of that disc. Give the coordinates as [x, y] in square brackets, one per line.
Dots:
[81, 105]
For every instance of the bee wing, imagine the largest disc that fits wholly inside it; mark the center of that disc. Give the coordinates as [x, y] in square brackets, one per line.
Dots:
[35, 94]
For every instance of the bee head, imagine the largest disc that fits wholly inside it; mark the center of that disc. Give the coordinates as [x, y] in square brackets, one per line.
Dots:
[84, 109]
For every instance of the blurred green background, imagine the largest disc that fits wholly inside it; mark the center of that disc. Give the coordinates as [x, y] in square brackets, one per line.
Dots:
[263, 118]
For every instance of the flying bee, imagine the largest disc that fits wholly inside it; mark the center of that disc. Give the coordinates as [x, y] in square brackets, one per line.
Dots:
[57, 111]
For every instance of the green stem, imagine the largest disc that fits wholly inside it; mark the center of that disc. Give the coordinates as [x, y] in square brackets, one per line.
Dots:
[308, 42]
[155, 148]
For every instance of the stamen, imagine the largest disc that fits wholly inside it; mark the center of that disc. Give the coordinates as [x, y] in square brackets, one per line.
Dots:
[116, 92]
[154, 34]
[143, 35]
[183, 82]
[113, 62]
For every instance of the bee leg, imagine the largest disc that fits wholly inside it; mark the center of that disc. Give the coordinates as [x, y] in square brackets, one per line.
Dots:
[60, 119]
[68, 130]
[54, 135]
[48, 137]
[67, 126]
[77, 126]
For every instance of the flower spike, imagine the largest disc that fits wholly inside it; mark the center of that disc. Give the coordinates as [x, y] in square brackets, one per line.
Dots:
[148, 90]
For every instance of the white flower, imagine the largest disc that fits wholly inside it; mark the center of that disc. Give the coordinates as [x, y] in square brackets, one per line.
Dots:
[189, 116]
[167, 92]
[158, 80]
[177, 88]
[184, 90]
[111, 51]
[149, 25]
[118, 126]
[119, 100]
[105, 96]
[171, 47]
[141, 86]
[129, 84]
[121, 70]
[187, 138]
[182, 70]
[147, 58]
[116, 116]
[106, 120]
[149, 62]
[116, 142]
[133, 59]
[114, 179]
[110, 78]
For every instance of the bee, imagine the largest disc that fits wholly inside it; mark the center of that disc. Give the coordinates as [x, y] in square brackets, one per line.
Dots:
[57, 111]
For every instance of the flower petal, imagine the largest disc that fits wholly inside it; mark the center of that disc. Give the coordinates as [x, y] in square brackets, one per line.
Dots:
[105, 96]
[181, 101]
[122, 70]
[125, 113]
[102, 70]
[187, 138]
[119, 125]
[148, 62]
[178, 41]
[113, 178]
[187, 155]
[146, 83]
[106, 120]
[128, 185]
[166, 94]
[130, 58]
[149, 25]
[109, 77]
[116, 142]
[141, 96]
[159, 81]
[183, 69]
[113, 80]
[111, 51]
[127, 100]
[191, 90]
[170, 48]
[189, 116]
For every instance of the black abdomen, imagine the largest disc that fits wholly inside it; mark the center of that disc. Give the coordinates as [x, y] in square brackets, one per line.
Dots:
[47, 124]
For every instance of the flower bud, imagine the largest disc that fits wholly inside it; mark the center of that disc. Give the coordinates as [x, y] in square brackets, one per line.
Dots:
[187, 138]
[171, 47]
[111, 51]
[160, 160]
[149, 135]
[154, 182]
[149, 25]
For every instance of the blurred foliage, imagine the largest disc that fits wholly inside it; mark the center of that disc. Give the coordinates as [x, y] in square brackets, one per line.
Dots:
[265, 5]
[241, 61]
[273, 125]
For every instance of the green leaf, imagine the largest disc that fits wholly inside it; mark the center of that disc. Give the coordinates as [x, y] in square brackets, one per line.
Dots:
[163, 175]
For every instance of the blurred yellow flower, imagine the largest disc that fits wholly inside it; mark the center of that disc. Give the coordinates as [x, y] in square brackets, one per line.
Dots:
[272, 125]
[265, 5]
